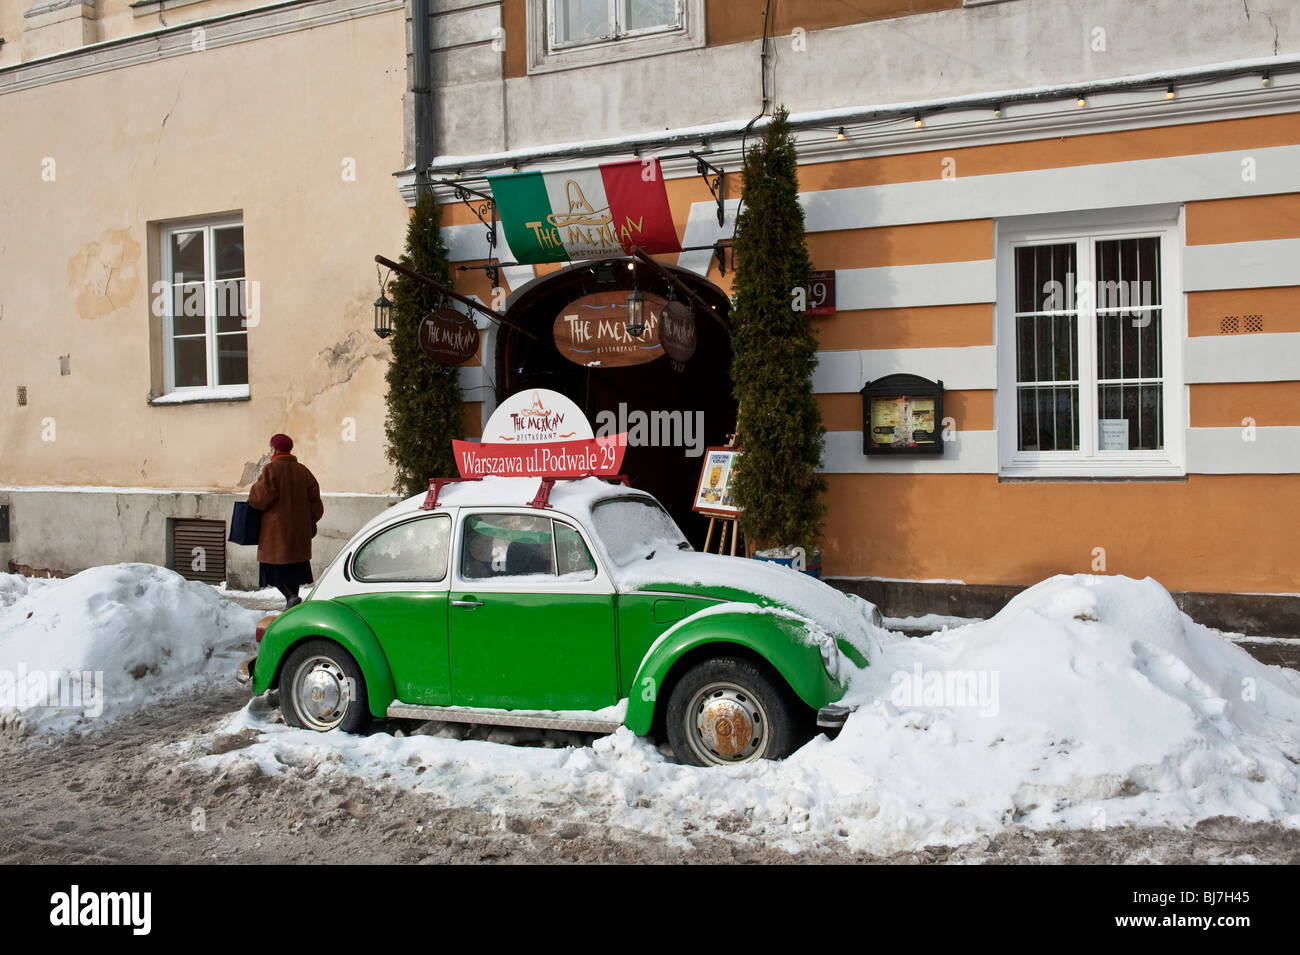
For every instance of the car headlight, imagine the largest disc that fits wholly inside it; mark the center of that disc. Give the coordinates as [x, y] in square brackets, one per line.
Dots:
[830, 651]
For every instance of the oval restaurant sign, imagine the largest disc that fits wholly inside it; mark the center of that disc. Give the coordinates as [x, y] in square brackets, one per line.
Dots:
[677, 331]
[448, 337]
[535, 433]
[592, 331]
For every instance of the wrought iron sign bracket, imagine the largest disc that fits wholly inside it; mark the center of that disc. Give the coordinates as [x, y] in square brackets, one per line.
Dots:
[704, 167]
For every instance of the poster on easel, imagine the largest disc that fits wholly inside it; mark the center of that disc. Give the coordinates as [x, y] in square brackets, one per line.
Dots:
[714, 492]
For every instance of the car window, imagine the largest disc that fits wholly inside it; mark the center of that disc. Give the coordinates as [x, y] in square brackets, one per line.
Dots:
[414, 550]
[572, 558]
[635, 527]
[507, 545]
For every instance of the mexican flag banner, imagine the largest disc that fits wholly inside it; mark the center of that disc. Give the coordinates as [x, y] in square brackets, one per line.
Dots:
[557, 217]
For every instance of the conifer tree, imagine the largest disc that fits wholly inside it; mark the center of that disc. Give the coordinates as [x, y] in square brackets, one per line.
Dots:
[424, 398]
[775, 352]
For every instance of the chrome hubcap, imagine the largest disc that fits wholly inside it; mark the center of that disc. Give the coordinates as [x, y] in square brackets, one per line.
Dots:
[728, 724]
[320, 693]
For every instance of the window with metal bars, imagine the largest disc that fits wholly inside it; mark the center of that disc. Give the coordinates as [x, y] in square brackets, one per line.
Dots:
[1085, 368]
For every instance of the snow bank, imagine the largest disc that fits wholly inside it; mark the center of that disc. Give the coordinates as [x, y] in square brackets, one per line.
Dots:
[1086, 702]
[79, 652]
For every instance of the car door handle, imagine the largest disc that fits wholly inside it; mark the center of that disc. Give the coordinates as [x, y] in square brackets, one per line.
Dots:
[467, 603]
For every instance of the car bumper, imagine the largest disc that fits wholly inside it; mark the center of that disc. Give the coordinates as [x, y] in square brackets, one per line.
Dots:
[832, 717]
[244, 672]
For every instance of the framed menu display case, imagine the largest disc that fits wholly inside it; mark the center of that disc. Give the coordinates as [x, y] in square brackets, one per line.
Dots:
[902, 414]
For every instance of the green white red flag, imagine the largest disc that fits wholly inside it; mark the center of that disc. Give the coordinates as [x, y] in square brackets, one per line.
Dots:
[583, 214]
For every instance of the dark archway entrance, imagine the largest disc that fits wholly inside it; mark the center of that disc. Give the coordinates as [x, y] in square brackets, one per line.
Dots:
[667, 461]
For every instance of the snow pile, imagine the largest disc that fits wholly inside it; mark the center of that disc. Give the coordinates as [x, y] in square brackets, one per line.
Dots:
[79, 652]
[1087, 702]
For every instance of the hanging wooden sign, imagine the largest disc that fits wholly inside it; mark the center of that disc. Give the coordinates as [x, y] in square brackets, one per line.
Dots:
[592, 331]
[677, 331]
[448, 337]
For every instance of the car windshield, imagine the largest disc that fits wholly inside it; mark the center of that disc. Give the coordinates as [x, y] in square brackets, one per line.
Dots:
[633, 528]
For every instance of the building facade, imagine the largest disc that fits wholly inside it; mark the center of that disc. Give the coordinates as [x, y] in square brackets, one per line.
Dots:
[191, 196]
[1082, 219]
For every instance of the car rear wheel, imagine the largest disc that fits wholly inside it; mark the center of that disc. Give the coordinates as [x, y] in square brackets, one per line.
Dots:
[729, 710]
[322, 688]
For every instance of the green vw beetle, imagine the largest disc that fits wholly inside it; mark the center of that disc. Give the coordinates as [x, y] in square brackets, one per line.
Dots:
[576, 605]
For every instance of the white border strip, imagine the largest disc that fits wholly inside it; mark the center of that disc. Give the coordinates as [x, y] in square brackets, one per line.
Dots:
[1220, 359]
[908, 286]
[1139, 182]
[1234, 265]
[1274, 450]
[973, 368]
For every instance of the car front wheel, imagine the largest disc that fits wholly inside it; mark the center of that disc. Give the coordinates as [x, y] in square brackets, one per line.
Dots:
[322, 688]
[729, 710]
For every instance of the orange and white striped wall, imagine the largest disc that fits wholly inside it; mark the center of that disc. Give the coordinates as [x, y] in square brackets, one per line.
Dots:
[915, 251]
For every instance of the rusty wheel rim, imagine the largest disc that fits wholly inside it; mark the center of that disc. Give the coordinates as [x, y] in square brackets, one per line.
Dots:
[727, 724]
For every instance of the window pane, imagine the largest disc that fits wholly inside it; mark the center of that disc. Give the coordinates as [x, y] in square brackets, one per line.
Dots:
[232, 359]
[578, 20]
[1128, 345]
[230, 252]
[507, 545]
[1141, 407]
[416, 550]
[188, 310]
[1128, 273]
[644, 14]
[1049, 418]
[186, 257]
[573, 557]
[1047, 347]
[230, 305]
[1045, 278]
[190, 359]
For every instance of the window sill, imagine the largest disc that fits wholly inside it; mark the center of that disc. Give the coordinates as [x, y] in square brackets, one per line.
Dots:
[201, 396]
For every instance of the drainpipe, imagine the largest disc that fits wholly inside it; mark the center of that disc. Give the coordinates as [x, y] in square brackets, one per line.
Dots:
[421, 93]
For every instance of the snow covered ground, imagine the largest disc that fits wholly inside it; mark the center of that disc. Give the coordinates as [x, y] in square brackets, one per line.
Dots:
[1087, 702]
[78, 653]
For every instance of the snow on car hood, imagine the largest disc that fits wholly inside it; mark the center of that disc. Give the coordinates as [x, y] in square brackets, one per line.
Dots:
[842, 615]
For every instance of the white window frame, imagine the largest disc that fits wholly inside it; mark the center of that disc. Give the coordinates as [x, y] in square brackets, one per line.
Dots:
[1089, 462]
[546, 54]
[207, 227]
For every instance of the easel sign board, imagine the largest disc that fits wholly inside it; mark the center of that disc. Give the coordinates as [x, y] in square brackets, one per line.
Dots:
[714, 493]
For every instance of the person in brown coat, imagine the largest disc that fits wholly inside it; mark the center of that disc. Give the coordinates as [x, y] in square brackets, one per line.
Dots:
[289, 498]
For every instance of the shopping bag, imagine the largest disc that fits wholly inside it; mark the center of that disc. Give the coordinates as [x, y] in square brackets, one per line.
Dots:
[245, 523]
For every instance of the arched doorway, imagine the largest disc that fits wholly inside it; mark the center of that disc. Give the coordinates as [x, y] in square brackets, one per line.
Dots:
[680, 411]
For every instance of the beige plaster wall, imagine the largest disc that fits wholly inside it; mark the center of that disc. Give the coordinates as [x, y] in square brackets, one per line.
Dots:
[91, 165]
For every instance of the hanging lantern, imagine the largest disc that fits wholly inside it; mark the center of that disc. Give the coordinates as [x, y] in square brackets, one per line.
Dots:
[383, 316]
[635, 323]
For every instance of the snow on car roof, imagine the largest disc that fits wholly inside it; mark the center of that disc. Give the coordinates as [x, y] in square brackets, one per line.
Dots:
[573, 496]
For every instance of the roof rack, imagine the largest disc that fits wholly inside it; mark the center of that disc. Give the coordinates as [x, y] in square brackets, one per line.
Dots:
[435, 488]
[540, 500]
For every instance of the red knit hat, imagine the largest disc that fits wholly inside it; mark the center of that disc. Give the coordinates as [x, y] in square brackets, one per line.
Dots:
[282, 443]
